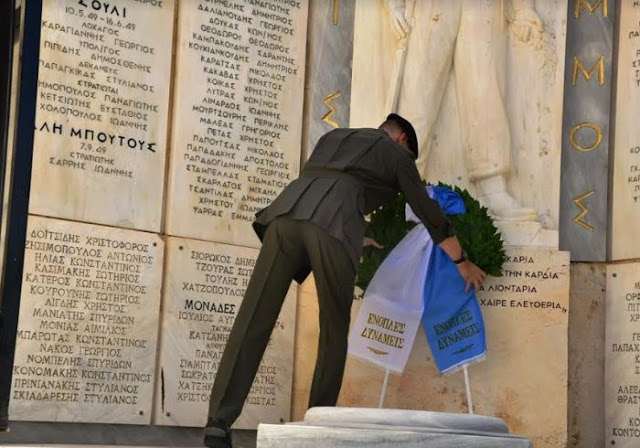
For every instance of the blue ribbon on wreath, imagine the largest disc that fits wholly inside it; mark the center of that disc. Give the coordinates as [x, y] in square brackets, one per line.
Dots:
[452, 319]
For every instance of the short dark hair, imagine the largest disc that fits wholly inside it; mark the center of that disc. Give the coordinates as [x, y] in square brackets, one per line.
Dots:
[407, 128]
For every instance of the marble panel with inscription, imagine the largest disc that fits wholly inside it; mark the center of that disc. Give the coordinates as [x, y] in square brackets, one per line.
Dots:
[204, 285]
[622, 356]
[238, 114]
[625, 202]
[102, 112]
[523, 380]
[87, 332]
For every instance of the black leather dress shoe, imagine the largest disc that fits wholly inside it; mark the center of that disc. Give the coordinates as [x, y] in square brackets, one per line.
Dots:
[217, 434]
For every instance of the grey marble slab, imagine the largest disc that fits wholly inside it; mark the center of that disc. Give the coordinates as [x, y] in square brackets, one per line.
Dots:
[328, 75]
[585, 158]
[59, 435]
[78, 446]
[27, 434]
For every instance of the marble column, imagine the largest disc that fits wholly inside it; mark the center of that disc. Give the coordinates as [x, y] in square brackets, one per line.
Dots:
[585, 133]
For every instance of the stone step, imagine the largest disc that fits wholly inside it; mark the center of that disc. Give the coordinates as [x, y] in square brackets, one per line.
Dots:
[330, 416]
[393, 428]
[378, 436]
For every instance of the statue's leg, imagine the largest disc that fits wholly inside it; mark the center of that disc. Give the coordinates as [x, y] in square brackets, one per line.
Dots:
[480, 68]
[479, 59]
[428, 64]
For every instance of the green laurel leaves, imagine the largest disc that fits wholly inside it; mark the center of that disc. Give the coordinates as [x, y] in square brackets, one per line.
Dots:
[475, 230]
[387, 226]
[478, 235]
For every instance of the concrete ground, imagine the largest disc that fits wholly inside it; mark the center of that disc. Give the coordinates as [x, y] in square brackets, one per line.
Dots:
[28, 434]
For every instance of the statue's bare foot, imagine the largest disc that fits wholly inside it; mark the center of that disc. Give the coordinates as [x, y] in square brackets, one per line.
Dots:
[501, 204]
[503, 207]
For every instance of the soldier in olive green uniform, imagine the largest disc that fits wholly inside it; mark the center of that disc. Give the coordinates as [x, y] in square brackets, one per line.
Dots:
[317, 224]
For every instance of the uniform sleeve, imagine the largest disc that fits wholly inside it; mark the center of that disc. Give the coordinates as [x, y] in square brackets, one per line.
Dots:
[425, 208]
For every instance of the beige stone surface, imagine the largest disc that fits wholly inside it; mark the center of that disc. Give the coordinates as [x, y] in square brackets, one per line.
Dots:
[87, 331]
[523, 380]
[103, 106]
[622, 356]
[527, 234]
[586, 355]
[625, 202]
[534, 115]
[238, 116]
[203, 288]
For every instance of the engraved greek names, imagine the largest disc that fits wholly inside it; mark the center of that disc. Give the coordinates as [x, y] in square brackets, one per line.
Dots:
[622, 355]
[238, 99]
[626, 161]
[102, 111]
[204, 287]
[88, 324]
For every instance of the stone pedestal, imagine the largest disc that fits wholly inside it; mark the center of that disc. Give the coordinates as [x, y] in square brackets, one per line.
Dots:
[527, 234]
[349, 427]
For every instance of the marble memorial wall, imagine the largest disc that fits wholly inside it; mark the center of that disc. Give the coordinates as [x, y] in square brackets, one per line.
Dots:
[625, 202]
[87, 331]
[622, 356]
[101, 207]
[204, 285]
[102, 111]
[237, 114]
[90, 317]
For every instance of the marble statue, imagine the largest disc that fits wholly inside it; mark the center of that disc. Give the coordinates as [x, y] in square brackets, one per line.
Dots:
[469, 37]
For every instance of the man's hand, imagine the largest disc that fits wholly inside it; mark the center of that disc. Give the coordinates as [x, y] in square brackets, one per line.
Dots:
[397, 16]
[371, 242]
[471, 274]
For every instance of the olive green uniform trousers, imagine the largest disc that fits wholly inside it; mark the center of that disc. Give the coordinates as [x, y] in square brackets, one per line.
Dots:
[287, 246]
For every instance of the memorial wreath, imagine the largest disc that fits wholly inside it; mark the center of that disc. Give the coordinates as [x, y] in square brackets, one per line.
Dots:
[475, 230]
